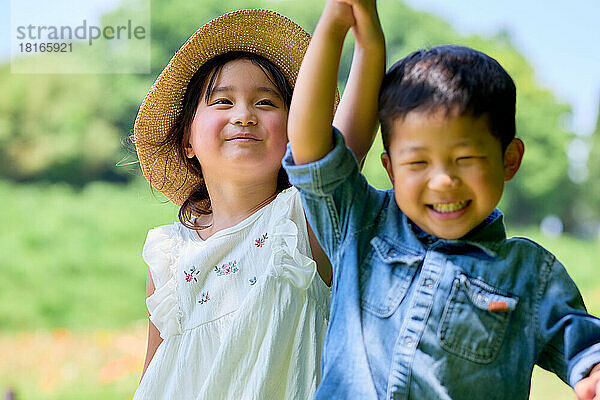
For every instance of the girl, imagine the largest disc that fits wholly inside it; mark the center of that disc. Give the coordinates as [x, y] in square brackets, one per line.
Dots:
[237, 310]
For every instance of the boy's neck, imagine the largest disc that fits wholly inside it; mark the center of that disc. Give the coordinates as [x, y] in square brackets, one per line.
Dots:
[428, 238]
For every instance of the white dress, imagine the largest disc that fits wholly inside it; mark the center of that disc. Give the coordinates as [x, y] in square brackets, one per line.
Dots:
[242, 314]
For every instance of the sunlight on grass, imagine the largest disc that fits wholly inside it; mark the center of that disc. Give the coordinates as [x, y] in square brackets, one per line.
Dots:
[72, 288]
[74, 256]
[60, 365]
[547, 386]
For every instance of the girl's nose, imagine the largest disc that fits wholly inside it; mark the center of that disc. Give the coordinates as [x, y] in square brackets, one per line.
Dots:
[443, 180]
[244, 117]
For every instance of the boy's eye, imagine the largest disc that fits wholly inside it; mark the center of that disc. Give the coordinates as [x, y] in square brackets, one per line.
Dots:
[468, 159]
[415, 164]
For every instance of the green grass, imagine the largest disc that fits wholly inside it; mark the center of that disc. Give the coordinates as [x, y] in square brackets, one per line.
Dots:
[72, 258]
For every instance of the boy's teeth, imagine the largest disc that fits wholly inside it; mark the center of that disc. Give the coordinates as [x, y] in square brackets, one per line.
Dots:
[449, 207]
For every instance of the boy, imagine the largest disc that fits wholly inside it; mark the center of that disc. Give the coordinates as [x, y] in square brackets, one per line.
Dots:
[429, 298]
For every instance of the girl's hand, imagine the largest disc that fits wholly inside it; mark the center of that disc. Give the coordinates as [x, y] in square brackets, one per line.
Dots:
[337, 16]
[589, 388]
[366, 27]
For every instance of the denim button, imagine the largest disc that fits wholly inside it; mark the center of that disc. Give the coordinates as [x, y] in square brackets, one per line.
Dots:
[482, 298]
[397, 396]
[428, 282]
[408, 341]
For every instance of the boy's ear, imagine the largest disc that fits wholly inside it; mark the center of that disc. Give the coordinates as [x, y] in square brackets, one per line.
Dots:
[387, 164]
[513, 155]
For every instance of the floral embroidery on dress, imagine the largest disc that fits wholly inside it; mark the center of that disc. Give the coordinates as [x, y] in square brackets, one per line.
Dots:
[204, 297]
[260, 242]
[252, 281]
[191, 275]
[227, 268]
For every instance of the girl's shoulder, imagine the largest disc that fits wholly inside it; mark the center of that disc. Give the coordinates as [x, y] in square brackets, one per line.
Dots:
[287, 206]
[288, 200]
[162, 248]
[166, 234]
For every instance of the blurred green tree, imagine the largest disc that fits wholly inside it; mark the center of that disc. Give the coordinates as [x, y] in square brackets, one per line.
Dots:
[591, 208]
[72, 127]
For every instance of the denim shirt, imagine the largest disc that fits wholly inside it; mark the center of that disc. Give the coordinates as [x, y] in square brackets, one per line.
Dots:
[427, 318]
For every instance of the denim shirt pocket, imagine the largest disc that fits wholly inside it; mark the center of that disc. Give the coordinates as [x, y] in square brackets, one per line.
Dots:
[475, 319]
[386, 277]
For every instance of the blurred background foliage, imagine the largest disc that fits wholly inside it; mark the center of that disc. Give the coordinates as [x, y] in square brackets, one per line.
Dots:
[74, 222]
[74, 128]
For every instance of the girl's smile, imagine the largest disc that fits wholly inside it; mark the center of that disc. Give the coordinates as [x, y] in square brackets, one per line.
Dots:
[244, 137]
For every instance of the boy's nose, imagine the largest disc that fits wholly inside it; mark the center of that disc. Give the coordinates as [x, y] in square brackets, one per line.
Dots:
[443, 180]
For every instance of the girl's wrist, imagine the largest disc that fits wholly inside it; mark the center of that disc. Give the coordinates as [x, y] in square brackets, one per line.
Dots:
[375, 46]
[595, 370]
[336, 19]
[371, 37]
[332, 29]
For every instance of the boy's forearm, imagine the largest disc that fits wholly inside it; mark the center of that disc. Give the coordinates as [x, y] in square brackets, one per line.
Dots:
[311, 110]
[356, 116]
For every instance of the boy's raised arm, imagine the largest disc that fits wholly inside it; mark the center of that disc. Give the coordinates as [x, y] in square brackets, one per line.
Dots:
[311, 111]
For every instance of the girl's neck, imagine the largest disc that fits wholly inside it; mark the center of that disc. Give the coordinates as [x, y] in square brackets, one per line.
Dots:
[233, 203]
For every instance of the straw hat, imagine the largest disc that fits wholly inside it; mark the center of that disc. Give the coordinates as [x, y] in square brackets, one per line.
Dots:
[262, 32]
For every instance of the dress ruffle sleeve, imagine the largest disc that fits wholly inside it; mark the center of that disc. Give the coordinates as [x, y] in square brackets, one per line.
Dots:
[161, 252]
[287, 260]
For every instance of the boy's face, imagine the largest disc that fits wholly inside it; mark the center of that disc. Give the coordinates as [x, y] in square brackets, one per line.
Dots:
[448, 171]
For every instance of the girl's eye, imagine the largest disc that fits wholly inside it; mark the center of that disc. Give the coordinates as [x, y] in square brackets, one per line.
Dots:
[265, 102]
[221, 101]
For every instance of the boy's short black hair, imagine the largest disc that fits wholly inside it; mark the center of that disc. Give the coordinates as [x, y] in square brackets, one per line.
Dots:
[452, 78]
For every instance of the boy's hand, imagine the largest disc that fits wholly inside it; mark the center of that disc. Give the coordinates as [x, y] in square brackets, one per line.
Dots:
[589, 388]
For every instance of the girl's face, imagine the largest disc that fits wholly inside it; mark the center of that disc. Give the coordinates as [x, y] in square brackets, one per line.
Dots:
[241, 131]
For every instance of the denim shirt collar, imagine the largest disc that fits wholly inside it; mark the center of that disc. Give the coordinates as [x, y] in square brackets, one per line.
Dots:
[412, 242]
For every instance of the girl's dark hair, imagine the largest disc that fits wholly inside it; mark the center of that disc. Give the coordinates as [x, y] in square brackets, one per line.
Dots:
[203, 81]
[451, 78]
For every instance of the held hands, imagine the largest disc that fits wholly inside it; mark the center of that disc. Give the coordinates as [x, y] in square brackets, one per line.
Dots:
[361, 15]
[366, 27]
[338, 17]
[589, 388]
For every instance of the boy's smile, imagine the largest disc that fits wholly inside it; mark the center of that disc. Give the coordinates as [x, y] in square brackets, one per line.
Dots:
[448, 171]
